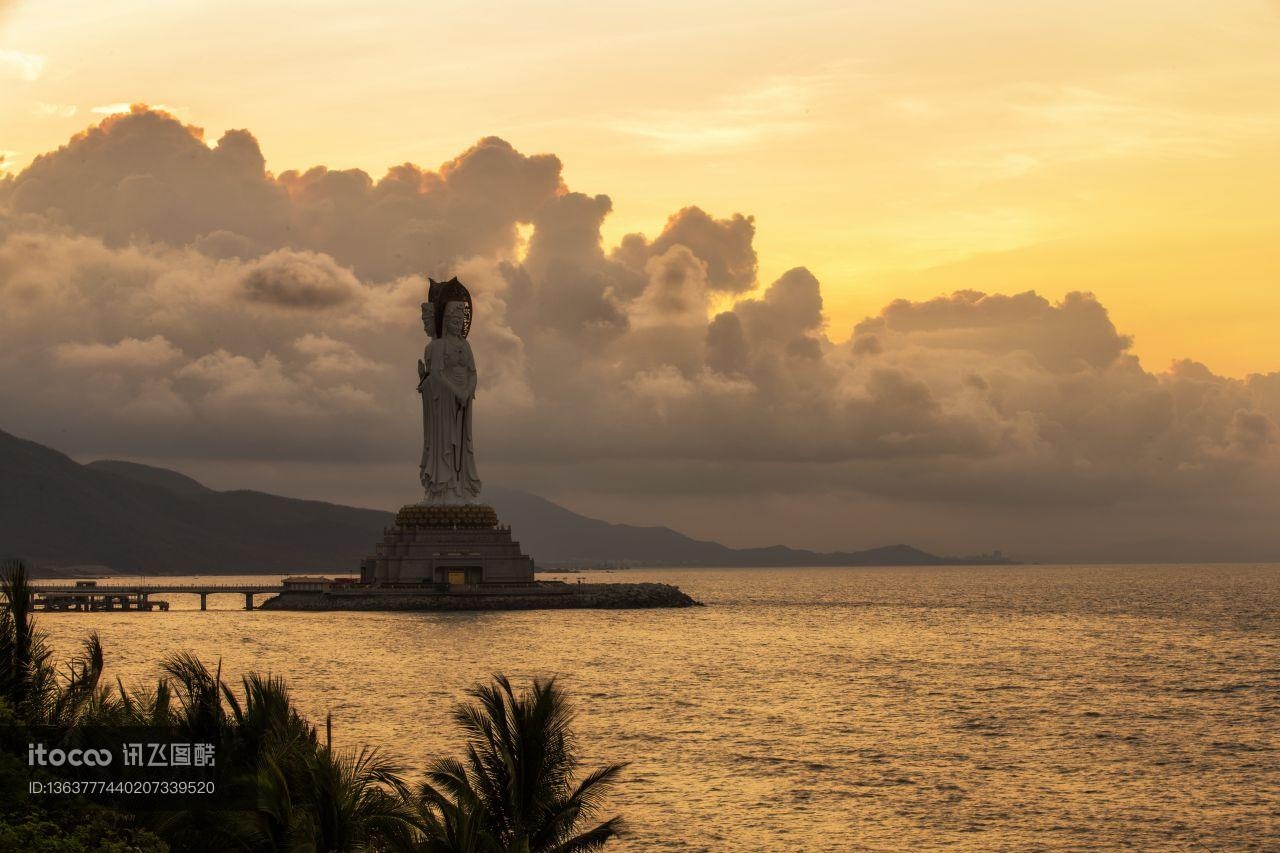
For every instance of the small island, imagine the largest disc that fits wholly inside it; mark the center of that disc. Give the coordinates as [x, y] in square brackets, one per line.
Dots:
[450, 551]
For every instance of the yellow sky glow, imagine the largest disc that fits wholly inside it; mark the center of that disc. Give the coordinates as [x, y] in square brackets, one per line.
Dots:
[896, 149]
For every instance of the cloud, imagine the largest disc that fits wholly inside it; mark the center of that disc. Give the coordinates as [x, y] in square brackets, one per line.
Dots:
[126, 354]
[298, 280]
[1041, 128]
[332, 357]
[25, 66]
[676, 293]
[777, 108]
[1074, 334]
[123, 108]
[144, 175]
[724, 245]
[48, 110]
[164, 298]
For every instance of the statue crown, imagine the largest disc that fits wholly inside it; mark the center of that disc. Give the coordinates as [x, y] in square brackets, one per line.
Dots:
[440, 294]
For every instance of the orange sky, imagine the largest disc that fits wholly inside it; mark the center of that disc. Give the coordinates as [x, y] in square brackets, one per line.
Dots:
[897, 149]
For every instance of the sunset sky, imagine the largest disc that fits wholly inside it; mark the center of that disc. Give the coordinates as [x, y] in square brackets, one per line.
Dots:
[895, 149]
[176, 287]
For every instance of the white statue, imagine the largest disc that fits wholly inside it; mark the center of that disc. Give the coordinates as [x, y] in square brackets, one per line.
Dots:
[447, 383]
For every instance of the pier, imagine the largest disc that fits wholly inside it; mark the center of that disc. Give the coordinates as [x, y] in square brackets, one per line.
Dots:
[92, 596]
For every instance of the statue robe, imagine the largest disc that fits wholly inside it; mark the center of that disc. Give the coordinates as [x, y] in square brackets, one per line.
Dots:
[448, 467]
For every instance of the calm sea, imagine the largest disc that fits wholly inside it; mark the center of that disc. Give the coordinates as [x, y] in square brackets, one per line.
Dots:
[835, 709]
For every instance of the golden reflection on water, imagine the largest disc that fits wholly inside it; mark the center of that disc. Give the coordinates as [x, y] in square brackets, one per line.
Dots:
[828, 709]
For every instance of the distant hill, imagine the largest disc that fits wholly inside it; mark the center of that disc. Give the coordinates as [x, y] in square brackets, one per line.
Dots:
[137, 518]
[555, 535]
[164, 478]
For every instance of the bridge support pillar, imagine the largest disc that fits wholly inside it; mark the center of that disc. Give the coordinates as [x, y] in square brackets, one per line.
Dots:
[204, 601]
[248, 601]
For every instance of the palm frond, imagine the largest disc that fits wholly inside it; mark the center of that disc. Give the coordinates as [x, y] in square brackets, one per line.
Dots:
[517, 775]
[592, 839]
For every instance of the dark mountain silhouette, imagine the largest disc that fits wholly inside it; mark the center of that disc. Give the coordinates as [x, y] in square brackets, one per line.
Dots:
[134, 518]
[137, 518]
[162, 477]
[566, 538]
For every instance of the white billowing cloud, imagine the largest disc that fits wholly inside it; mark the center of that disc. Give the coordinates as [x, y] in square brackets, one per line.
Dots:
[24, 66]
[164, 298]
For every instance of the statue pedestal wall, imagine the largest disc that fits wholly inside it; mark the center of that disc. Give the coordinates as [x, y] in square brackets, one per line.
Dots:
[456, 546]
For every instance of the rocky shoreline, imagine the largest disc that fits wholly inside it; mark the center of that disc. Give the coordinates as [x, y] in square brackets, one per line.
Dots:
[546, 595]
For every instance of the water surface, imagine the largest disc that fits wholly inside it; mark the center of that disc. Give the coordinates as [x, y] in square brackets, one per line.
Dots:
[834, 709]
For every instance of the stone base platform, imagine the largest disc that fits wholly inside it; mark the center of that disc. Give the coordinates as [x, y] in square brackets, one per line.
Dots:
[448, 546]
[538, 595]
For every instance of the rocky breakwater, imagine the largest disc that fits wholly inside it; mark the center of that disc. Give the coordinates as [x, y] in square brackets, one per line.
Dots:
[542, 595]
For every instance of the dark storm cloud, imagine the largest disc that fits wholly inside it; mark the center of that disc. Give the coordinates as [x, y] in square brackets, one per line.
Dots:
[164, 297]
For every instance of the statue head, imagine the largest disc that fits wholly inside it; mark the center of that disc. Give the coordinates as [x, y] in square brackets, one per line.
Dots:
[429, 319]
[455, 319]
[444, 295]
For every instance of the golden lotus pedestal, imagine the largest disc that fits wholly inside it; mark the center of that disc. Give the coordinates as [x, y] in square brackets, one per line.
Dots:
[476, 516]
[454, 546]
